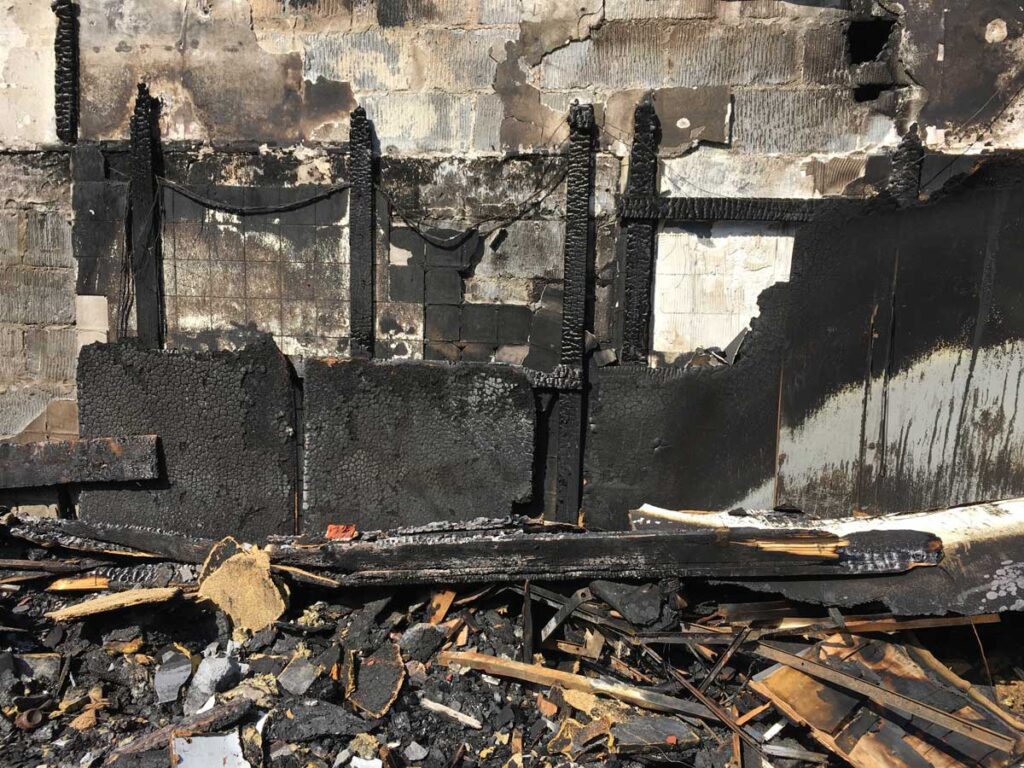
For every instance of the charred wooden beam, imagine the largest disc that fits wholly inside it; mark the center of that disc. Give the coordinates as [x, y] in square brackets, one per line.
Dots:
[65, 77]
[146, 270]
[647, 205]
[516, 556]
[640, 240]
[494, 553]
[87, 460]
[577, 260]
[361, 234]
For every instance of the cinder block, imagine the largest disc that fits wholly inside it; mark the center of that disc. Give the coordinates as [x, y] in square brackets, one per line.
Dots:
[514, 324]
[422, 122]
[38, 297]
[406, 283]
[443, 286]
[480, 323]
[441, 350]
[10, 250]
[48, 240]
[473, 352]
[91, 313]
[443, 322]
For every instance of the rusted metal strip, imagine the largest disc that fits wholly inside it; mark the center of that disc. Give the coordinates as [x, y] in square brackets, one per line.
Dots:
[87, 460]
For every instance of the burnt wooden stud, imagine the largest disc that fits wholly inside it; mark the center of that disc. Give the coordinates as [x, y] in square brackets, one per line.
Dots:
[65, 46]
[146, 270]
[577, 259]
[86, 460]
[640, 242]
[361, 234]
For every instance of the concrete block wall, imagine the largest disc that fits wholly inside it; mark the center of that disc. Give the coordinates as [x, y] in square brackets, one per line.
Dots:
[39, 337]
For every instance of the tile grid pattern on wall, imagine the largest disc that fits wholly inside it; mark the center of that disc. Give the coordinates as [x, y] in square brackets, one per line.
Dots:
[284, 273]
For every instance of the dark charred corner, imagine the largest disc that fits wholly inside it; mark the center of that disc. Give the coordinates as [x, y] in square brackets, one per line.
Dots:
[405, 383]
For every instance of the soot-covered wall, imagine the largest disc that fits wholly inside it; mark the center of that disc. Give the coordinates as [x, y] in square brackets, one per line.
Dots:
[413, 443]
[883, 376]
[228, 432]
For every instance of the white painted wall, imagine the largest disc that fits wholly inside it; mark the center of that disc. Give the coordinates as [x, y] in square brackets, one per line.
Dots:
[706, 287]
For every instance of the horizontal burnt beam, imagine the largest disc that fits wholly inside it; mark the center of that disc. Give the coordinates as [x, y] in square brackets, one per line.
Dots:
[92, 460]
[515, 556]
[721, 208]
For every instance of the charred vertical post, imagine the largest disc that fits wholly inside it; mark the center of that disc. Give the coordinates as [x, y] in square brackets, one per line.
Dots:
[640, 243]
[576, 261]
[146, 272]
[907, 159]
[361, 234]
[66, 71]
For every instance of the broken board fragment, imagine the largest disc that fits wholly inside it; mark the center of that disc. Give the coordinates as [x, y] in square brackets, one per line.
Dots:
[82, 460]
[534, 673]
[241, 586]
[876, 732]
[378, 681]
[114, 601]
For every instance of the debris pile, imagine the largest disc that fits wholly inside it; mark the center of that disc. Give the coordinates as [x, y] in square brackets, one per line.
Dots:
[124, 646]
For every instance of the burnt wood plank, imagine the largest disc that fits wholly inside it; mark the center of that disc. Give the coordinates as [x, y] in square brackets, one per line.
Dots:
[361, 234]
[83, 460]
[515, 555]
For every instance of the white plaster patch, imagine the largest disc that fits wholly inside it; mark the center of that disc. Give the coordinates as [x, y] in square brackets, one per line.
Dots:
[706, 287]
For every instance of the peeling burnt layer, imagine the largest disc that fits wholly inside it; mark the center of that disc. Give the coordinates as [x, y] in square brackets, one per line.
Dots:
[398, 444]
[876, 291]
[228, 430]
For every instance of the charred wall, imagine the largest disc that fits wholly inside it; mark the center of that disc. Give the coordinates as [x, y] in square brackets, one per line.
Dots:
[883, 376]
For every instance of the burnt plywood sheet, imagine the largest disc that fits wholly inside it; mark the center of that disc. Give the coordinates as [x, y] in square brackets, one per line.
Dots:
[227, 427]
[399, 444]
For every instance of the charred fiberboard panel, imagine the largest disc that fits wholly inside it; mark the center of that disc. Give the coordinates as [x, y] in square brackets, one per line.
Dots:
[884, 376]
[227, 427]
[398, 444]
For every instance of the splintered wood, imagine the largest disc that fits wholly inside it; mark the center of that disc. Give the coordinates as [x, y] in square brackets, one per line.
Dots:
[115, 601]
[906, 718]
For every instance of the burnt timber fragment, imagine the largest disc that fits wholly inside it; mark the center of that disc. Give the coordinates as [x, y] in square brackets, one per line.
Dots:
[228, 431]
[361, 234]
[66, 71]
[577, 267]
[89, 460]
[147, 271]
[639, 234]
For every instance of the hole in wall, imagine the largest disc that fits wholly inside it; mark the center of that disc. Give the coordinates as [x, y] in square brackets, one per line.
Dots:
[869, 92]
[867, 39]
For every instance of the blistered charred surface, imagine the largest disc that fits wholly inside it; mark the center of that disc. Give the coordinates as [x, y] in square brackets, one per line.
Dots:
[227, 427]
[884, 376]
[103, 459]
[399, 444]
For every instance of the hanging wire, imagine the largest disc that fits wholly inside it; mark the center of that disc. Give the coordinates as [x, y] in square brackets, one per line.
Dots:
[250, 210]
